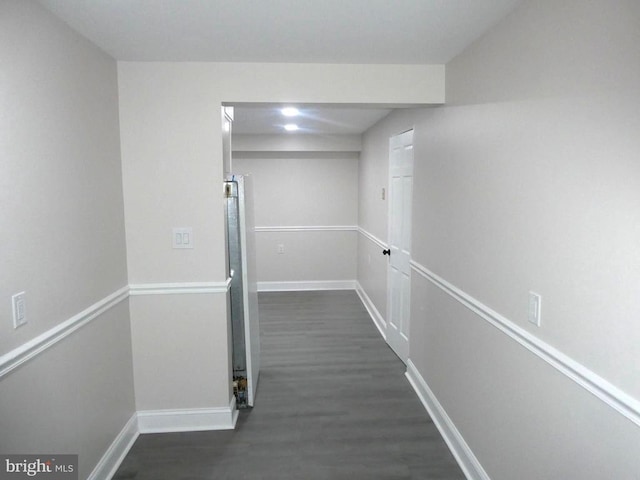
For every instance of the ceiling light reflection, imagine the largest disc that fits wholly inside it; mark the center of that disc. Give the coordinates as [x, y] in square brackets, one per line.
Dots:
[290, 112]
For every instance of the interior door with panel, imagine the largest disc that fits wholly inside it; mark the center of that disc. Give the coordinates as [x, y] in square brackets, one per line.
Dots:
[399, 270]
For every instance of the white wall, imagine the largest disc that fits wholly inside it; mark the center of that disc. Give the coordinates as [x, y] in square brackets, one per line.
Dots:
[172, 174]
[527, 180]
[303, 189]
[168, 368]
[562, 167]
[300, 199]
[63, 242]
[296, 143]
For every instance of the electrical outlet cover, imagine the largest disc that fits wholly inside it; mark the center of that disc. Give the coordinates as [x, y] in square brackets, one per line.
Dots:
[19, 309]
[535, 308]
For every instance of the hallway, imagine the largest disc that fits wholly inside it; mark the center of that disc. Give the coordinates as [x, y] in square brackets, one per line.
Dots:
[332, 403]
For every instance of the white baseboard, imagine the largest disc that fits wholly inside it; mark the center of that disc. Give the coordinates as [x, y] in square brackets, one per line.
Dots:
[306, 285]
[188, 420]
[117, 451]
[378, 319]
[466, 459]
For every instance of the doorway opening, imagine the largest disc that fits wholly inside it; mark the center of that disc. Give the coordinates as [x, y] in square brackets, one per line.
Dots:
[308, 199]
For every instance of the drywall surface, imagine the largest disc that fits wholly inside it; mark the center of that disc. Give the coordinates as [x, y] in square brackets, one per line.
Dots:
[305, 213]
[63, 242]
[294, 189]
[527, 181]
[552, 180]
[296, 143]
[75, 397]
[173, 171]
[60, 176]
[170, 365]
[171, 145]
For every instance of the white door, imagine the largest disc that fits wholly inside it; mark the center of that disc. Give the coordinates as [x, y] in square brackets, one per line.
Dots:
[399, 278]
[250, 278]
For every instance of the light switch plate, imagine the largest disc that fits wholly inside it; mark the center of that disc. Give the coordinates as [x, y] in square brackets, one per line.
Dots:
[19, 309]
[535, 308]
[182, 237]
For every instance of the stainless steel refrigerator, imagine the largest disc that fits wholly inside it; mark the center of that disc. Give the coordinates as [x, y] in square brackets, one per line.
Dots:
[245, 323]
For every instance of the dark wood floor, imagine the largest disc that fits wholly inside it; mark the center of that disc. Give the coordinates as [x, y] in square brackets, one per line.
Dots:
[332, 403]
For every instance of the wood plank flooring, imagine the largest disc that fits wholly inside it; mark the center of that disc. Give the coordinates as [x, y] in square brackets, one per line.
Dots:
[332, 403]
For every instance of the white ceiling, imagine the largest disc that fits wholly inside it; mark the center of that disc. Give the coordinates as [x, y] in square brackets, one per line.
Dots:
[289, 31]
[313, 119]
[297, 31]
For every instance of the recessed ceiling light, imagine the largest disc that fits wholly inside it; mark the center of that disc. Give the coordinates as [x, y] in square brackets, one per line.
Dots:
[291, 127]
[290, 112]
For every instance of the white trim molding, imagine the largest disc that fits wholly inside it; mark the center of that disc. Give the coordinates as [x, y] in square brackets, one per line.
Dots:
[310, 228]
[117, 451]
[374, 313]
[25, 352]
[188, 420]
[179, 288]
[373, 238]
[464, 456]
[306, 285]
[593, 383]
